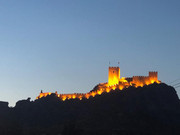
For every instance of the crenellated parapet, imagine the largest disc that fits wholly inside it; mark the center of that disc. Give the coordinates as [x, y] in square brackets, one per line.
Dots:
[145, 80]
[114, 82]
[153, 75]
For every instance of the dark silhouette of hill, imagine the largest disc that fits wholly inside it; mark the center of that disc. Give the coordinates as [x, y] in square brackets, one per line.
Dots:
[148, 110]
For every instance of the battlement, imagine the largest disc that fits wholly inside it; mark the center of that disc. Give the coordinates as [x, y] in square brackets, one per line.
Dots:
[114, 82]
[114, 67]
[153, 74]
[140, 76]
[142, 80]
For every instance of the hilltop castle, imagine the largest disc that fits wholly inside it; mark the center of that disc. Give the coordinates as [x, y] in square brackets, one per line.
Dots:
[114, 82]
[114, 78]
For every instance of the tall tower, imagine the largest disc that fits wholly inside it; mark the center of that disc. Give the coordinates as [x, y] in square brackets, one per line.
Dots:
[153, 76]
[114, 75]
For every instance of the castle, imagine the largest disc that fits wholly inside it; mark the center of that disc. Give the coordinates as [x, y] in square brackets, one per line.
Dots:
[114, 78]
[114, 82]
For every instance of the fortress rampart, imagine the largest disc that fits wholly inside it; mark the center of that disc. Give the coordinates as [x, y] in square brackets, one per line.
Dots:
[145, 80]
[114, 82]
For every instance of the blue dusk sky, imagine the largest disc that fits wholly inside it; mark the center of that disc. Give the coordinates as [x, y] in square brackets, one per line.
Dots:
[66, 45]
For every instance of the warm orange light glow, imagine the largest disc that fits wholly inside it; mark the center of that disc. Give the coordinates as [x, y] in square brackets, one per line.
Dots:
[147, 82]
[114, 82]
[152, 81]
[114, 75]
[99, 92]
[114, 87]
[63, 98]
[93, 94]
[80, 97]
[74, 96]
[107, 90]
[121, 87]
[87, 96]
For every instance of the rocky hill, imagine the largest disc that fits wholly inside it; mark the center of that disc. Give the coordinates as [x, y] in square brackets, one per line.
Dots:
[150, 110]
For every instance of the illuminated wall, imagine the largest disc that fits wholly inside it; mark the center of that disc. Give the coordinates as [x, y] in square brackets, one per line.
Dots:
[114, 75]
[114, 82]
[145, 80]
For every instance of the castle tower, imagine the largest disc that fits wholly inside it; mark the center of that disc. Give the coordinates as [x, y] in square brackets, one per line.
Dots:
[153, 76]
[114, 75]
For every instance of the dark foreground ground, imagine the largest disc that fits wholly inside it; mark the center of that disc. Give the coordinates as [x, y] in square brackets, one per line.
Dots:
[151, 110]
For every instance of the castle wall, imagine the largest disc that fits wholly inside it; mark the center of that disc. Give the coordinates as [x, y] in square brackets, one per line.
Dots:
[145, 80]
[114, 82]
[114, 75]
[140, 80]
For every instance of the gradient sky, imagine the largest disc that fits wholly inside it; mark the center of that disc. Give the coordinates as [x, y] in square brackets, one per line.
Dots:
[66, 46]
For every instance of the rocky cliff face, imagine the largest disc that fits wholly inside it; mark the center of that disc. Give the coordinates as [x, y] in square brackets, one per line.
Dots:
[152, 109]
